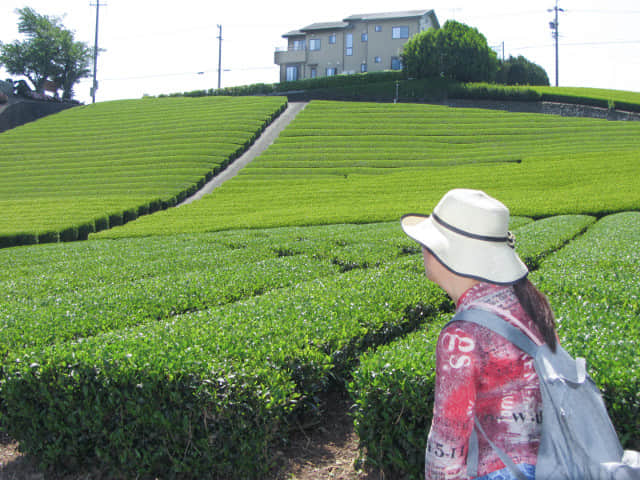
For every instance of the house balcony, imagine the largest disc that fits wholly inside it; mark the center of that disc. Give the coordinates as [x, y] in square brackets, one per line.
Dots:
[283, 57]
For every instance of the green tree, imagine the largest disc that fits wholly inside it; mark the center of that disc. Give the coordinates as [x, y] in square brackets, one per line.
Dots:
[72, 63]
[520, 71]
[456, 51]
[49, 52]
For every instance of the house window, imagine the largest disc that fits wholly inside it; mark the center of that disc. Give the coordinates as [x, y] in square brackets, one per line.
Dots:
[396, 63]
[349, 44]
[332, 38]
[314, 44]
[363, 68]
[378, 28]
[377, 60]
[314, 72]
[331, 71]
[364, 37]
[298, 45]
[292, 74]
[400, 32]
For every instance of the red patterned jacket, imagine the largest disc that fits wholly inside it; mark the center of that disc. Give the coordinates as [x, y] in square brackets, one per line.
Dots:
[481, 374]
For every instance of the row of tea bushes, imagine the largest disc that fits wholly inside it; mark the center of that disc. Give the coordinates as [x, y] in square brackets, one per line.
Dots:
[99, 332]
[393, 386]
[593, 287]
[207, 394]
[118, 160]
[61, 292]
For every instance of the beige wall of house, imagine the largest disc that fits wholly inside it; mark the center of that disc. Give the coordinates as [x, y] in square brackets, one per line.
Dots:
[360, 43]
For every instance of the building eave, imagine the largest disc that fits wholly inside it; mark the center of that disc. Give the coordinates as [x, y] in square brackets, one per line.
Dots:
[390, 15]
[294, 33]
[325, 26]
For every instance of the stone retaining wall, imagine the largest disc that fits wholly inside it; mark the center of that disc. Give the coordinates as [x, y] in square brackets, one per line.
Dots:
[20, 111]
[551, 108]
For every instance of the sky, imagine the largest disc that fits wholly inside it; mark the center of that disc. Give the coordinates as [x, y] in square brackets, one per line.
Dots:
[166, 47]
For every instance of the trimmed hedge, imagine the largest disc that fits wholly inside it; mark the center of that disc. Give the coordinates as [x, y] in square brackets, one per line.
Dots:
[208, 394]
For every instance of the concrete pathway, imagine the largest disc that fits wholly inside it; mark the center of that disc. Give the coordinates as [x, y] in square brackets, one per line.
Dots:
[259, 146]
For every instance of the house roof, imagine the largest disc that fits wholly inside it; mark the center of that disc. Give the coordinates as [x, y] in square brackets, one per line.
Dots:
[389, 15]
[293, 33]
[325, 26]
[316, 26]
[363, 17]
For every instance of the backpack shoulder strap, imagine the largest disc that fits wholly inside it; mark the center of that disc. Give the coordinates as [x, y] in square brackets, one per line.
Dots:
[500, 326]
[513, 334]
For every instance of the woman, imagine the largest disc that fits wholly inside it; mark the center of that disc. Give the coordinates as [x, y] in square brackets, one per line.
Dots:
[469, 252]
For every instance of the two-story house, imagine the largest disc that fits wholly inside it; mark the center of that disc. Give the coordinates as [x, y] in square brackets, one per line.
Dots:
[359, 43]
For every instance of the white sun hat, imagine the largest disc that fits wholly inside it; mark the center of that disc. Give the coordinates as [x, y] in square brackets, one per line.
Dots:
[468, 232]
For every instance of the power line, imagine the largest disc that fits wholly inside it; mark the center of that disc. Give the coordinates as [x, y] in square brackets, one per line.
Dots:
[610, 12]
[578, 44]
[179, 74]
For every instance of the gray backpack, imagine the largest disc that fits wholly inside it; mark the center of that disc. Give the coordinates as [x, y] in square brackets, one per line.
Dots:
[578, 439]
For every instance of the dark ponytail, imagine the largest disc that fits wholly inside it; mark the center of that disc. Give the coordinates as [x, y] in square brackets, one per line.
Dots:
[536, 305]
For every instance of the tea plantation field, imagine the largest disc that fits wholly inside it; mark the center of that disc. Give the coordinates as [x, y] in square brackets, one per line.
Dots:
[181, 353]
[96, 166]
[365, 162]
[184, 345]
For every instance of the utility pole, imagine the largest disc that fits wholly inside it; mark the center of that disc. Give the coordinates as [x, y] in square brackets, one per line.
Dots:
[554, 33]
[95, 54]
[219, 37]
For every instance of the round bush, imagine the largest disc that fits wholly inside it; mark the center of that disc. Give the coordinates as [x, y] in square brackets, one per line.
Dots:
[26, 239]
[49, 237]
[115, 219]
[129, 215]
[85, 229]
[143, 209]
[69, 234]
[8, 240]
[101, 223]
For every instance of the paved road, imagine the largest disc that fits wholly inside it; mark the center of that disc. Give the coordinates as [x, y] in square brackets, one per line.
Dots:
[266, 139]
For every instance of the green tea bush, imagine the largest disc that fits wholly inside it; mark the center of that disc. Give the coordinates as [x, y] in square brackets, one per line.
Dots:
[26, 239]
[593, 287]
[207, 394]
[84, 230]
[61, 292]
[48, 237]
[394, 392]
[537, 240]
[69, 234]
